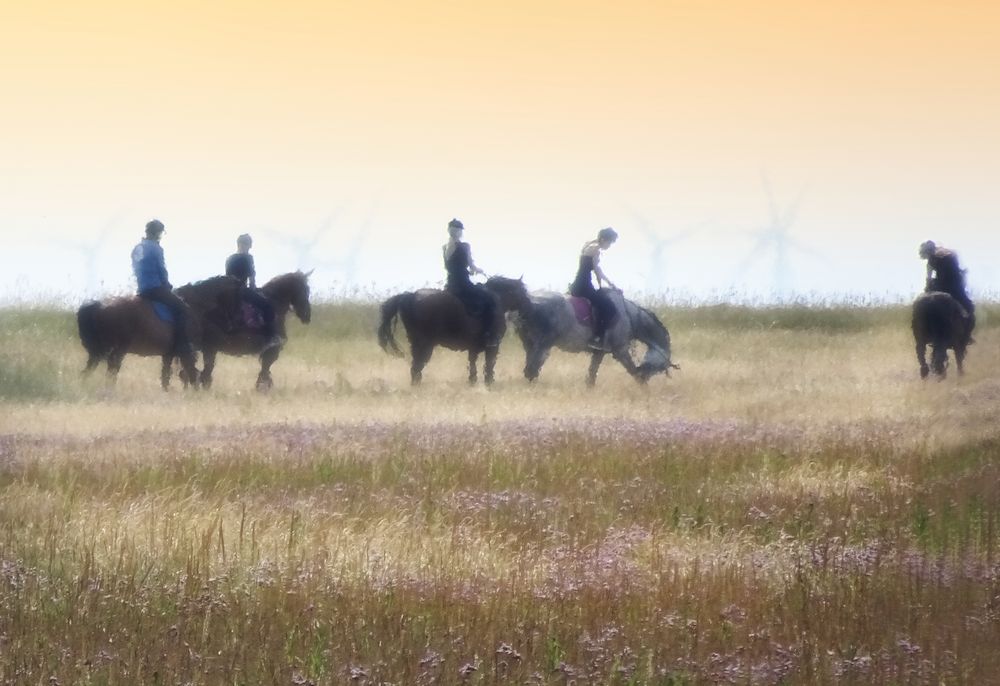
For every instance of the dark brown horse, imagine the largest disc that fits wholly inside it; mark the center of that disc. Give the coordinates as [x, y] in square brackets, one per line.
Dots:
[111, 330]
[433, 317]
[285, 292]
[941, 322]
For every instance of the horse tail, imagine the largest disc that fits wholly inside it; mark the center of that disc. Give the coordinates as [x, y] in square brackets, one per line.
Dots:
[390, 308]
[90, 337]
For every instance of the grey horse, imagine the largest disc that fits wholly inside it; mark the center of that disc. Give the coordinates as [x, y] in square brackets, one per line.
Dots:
[551, 321]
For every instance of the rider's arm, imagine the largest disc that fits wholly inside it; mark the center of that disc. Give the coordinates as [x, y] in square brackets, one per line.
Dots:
[161, 266]
[599, 273]
[473, 269]
[253, 271]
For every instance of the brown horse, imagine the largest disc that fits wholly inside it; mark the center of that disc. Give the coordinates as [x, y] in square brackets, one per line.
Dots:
[110, 330]
[285, 292]
[940, 321]
[433, 317]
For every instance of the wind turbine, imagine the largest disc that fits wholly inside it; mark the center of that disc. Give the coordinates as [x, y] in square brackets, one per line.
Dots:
[308, 257]
[91, 251]
[658, 244]
[304, 248]
[347, 263]
[774, 238]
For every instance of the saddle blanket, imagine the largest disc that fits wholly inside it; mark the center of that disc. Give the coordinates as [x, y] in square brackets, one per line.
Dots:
[250, 316]
[582, 309]
[163, 312]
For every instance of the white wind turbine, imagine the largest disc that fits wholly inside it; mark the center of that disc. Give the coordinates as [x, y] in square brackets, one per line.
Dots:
[658, 243]
[774, 240]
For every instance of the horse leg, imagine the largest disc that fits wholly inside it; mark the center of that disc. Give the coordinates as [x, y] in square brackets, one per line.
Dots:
[267, 358]
[939, 358]
[625, 359]
[115, 358]
[922, 359]
[596, 358]
[166, 370]
[92, 362]
[421, 355]
[208, 358]
[490, 364]
[473, 374]
[534, 360]
[190, 370]
[960, 358]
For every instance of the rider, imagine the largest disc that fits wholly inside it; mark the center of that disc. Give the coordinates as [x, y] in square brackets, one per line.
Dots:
[478, 302]
[944, 274]
[151, 277]
[240, 264]
[583, 287]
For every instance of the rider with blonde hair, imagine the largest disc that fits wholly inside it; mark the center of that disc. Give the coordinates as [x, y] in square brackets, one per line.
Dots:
[604, 310]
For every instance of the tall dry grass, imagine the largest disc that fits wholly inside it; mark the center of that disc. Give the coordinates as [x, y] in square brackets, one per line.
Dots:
[793, 506]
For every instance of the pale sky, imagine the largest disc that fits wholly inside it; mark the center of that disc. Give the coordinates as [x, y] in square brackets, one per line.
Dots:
[362, 128]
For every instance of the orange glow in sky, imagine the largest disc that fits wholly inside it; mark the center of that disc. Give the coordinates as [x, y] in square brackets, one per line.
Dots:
[537, 123]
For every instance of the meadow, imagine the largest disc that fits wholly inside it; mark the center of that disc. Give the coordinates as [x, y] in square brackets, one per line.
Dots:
[793, 506]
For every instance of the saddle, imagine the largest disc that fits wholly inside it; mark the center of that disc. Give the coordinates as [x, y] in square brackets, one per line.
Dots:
[250, 316]
[582, 309]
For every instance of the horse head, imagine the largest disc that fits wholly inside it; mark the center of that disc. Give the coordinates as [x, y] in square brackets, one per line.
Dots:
[291, 290]
[648, 328]
[512, 293]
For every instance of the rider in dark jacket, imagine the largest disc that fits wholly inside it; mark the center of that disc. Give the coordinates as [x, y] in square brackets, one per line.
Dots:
[478, 302]
[150, 271]
[240, 265]
[583, 287]
[944, 274]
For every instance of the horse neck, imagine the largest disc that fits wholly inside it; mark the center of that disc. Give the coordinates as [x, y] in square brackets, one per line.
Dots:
[206, 294]
[278, 294]
[508, 301]
[646, 327]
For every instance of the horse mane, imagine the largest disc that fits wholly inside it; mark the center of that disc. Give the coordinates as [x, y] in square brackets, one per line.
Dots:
[279, 283]
[297, 275]
[204, 293]
[209, 282]
[655, 322]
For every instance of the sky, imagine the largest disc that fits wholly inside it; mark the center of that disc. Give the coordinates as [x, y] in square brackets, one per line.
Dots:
[343, 136]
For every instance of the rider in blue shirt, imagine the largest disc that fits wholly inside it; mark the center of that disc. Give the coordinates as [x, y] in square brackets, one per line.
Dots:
[153, 284]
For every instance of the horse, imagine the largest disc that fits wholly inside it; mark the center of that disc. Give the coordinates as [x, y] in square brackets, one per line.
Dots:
[940, 321]
[285, 292]
[109, 331]
[435, 317]
[552, 320]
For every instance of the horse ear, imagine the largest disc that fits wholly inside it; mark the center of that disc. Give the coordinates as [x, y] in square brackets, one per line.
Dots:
[309, 273]
[521, 277]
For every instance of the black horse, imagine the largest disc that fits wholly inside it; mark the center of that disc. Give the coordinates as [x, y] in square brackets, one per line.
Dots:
[435, 317]
[941, 322]
[287, 292]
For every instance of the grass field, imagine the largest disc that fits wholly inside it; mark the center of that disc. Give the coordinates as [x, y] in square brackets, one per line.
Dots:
[794, 506]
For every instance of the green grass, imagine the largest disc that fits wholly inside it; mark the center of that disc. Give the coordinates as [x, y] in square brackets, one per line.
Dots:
[793, 506]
